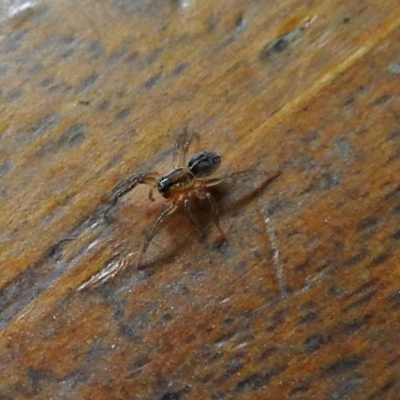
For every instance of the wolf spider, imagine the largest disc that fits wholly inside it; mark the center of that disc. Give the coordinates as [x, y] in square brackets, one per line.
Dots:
[185, 182]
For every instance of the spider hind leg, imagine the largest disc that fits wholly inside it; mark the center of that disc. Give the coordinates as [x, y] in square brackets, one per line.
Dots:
[205, 195]
[181, 148]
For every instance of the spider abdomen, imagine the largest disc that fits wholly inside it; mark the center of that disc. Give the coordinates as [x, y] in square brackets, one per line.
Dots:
[204, 164]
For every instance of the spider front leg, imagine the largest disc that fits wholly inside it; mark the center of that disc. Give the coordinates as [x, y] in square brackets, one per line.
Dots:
[153, 231]
[126, 186]
[181, 148]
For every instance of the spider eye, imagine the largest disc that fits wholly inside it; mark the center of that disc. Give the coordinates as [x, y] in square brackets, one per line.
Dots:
[204, 163]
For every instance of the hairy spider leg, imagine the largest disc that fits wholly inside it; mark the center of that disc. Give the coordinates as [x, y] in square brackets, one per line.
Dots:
[151, 179]
[215, 213]
[210, 182]
[181, 148]
[153, 230]
[201, 194]
[192, 218]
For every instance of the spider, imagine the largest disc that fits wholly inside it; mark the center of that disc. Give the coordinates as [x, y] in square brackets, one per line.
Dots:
[186, 181]
[179, 186]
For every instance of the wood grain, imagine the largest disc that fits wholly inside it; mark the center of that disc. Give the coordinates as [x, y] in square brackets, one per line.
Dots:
[302, 301]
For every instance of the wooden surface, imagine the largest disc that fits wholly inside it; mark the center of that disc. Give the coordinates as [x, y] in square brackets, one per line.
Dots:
[302, 302]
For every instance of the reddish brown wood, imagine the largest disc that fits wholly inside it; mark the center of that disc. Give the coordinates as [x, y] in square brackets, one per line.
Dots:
[302, 302]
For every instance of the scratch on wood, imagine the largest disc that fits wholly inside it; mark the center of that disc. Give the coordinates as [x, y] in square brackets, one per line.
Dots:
[113, 267]
[271, 233]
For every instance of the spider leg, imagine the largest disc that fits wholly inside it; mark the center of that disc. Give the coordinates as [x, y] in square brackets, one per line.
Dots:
[153, 230]
[203, 183]
[181, 148]
[195, 222]
[151, 194]
[209, 182]
[126, 186]
[214, 210]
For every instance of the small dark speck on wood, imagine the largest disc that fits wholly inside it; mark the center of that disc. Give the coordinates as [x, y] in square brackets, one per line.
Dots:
[280, 44]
